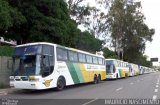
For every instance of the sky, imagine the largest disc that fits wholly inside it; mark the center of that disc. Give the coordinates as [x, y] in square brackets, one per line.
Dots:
[151, 9]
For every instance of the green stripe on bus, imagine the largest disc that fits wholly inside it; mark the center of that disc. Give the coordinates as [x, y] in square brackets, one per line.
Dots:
[120, 72]
[79, 73]
[73, 73]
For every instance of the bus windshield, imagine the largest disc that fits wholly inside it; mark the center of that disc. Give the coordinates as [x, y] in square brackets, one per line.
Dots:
[109, 68]
[26, 65]
[33, 60]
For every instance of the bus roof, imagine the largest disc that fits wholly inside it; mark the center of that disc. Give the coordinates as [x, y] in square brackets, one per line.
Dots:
[110, 59]
[36, 43]
[115, 60]
[69, 48]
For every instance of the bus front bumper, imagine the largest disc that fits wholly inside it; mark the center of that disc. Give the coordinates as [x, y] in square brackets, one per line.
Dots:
[111, 76]
[27, 85]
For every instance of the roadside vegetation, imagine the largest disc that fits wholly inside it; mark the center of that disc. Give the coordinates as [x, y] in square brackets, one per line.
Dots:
[121, 23]
[6, 51]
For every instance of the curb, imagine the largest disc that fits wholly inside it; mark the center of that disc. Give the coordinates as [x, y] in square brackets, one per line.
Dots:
[5, 91]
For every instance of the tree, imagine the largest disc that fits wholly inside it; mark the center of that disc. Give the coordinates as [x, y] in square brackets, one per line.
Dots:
[78, 11]
[91, 18]
[109, 54]
[9, 17]
[41, 20]
[142, 60]
[47, 20]
[88, 42]
[5, 18]
[128, 31]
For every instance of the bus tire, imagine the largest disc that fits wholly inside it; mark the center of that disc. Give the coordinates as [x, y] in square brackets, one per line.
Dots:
[116, 76]
[60, 84]
[126, 75]
[99, 78]
[95, 81]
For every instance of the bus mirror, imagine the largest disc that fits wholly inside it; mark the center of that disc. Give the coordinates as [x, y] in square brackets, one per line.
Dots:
[9, 64]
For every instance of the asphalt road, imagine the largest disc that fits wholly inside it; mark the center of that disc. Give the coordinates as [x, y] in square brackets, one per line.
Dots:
[139, 87]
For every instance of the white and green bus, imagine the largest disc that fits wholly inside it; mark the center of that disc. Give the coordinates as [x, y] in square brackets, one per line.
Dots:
[44, 65]
[133, 69]
[116, 69]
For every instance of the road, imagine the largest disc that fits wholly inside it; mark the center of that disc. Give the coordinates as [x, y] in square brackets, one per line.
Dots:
[139, 87]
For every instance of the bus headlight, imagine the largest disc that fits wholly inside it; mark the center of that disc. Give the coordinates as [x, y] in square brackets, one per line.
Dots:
[11, 85]
[11, 78]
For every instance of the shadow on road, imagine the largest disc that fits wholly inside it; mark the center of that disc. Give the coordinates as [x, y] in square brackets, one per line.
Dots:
[52, 90]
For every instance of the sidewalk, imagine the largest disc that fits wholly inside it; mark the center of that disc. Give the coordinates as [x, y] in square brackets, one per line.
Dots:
[6, 91]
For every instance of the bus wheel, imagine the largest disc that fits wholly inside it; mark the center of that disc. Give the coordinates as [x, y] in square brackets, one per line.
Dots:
[60, 84]
[99, 78]
[95, 79]
[126, 75]
[116, 76]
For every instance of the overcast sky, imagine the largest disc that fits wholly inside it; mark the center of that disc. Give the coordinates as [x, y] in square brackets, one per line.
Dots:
[151, 10]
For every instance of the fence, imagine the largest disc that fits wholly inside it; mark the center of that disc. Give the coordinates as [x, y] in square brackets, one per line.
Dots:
[4, 71]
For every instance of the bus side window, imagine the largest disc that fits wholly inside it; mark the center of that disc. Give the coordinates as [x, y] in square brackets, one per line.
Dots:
[51, 64]
[89, 59]
[95, 60]
[45, 66]
[103, 61]
[114, 69]
[81, 57]
[100, 61]
[47, 61]
[73, 56]
[62, 54]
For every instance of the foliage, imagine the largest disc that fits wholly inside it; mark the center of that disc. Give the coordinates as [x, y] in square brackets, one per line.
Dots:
[6, 51]
[142, 60]
[47, 20]
[124, 22]
[128, 31]
[87, 42]
[9, 17]
[109, 54]
[90, 17]
[5, 18]
[56, 21]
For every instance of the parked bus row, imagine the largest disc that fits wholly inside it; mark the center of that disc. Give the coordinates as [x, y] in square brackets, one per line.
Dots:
[120, 69]
[45, 65]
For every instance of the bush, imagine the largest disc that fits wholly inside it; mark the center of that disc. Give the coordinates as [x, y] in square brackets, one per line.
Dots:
[6, 51]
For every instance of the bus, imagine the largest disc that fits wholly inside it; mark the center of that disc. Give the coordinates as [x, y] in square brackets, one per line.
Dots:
[141, 69]
[133, 69]
[116, 69]
[43, 65]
